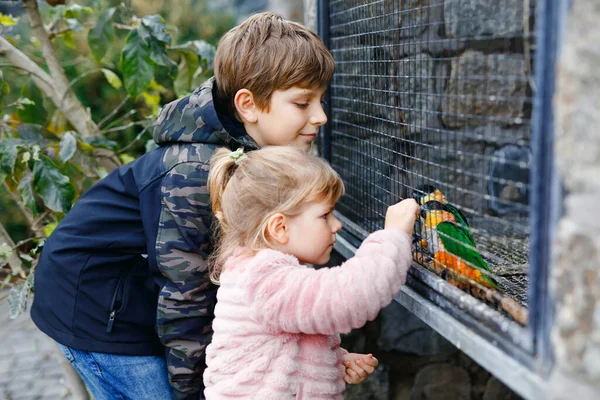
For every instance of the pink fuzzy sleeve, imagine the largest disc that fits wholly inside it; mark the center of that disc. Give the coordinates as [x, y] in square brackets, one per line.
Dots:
[287, 297]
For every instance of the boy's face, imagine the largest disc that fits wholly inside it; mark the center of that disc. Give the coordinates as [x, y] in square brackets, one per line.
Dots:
[293, 119]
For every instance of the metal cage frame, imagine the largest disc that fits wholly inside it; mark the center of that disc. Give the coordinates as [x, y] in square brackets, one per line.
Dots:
[519, 356]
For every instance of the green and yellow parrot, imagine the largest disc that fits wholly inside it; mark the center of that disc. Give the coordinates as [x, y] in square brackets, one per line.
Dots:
[443, 231]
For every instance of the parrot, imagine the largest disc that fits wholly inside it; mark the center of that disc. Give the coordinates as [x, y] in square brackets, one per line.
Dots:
[444, 232]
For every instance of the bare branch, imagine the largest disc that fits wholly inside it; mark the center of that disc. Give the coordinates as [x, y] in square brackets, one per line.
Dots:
[113, 112]
[138, 137]
[21, 61]
[16, 266]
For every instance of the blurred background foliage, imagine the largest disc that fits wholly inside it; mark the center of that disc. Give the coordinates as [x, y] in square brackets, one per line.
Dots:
[122, 60]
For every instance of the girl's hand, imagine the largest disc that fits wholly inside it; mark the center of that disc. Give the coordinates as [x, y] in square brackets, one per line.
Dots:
[402, 216]
[358, 367]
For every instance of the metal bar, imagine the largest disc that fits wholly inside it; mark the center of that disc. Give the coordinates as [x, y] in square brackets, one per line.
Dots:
[325, 131]
[480, 316]
[510, 371]
[544, 200]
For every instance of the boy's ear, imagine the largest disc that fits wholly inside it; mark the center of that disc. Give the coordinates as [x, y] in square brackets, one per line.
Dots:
[245, 106]
[277, 229]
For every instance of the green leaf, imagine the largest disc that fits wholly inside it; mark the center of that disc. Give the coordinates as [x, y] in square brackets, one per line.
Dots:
[8, 155]
[187, 67]
[8, 20]
[75, 10]
[136, 64]
[74, 24]
[5, 253]
[55, 188]
[32, 110]
[150, 145]
[4, 88]
[155, 27]
[206, 51]
[48, 229]
[101, 141]
[69, 39]
[27, 193]
[112, 78]
[24, 101]
[159, 55]
[102, 34]
[19, 296]
[68, 145]
[126, 158]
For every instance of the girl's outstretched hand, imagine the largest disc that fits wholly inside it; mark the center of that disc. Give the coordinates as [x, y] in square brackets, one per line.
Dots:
[402, 216]
[358, 367]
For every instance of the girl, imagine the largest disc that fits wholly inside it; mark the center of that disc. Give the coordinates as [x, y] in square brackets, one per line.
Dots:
[277, 322]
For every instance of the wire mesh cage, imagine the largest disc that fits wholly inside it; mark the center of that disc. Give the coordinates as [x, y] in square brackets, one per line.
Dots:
[432, 99]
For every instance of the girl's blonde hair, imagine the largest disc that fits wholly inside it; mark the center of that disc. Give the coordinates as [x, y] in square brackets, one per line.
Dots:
[247, 190]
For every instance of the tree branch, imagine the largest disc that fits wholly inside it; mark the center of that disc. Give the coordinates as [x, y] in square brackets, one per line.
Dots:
[16, 266]
[71, 107]
[21, 61]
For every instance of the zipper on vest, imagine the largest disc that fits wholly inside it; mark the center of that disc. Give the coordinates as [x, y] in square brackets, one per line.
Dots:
[111, 321]
[113, 310]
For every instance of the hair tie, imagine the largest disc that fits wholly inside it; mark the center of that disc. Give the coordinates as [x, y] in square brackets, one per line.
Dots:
[238, 155]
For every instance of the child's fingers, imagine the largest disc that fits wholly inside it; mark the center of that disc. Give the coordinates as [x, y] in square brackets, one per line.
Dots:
[367, 368]
[370, 360]
[354, 376]
[362, 374]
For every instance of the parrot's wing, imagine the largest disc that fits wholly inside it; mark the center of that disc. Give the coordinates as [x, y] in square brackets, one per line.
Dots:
[460, 217]
[457, 240]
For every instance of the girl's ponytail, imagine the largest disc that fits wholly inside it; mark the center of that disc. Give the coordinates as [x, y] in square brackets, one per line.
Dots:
[222, 167]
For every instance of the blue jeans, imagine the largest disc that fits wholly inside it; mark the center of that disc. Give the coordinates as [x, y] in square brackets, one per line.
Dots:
[114, 376]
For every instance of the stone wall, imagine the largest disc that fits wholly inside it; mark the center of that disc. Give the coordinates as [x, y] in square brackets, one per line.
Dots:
[417, 363]
[400, 97]
[575, 280]
[443, 85]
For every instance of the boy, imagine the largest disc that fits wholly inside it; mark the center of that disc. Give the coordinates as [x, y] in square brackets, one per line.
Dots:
[122, 282]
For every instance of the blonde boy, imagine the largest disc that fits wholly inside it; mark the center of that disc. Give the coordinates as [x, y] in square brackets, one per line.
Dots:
[122, 283]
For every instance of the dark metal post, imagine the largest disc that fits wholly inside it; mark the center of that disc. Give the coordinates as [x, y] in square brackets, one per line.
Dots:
[544, 201]
[323, 31]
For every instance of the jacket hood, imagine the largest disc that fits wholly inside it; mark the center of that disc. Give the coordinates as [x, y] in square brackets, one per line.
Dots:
[194, 119]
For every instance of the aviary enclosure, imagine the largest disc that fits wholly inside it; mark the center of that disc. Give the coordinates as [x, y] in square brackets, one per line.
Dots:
[449, 101]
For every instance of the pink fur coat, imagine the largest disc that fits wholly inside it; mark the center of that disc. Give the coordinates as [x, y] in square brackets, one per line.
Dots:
[277, 322]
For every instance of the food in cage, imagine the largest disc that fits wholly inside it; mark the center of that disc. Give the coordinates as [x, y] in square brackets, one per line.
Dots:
[443, 232]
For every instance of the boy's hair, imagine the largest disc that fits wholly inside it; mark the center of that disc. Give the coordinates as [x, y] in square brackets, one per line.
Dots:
[246, 193]
[266, 53]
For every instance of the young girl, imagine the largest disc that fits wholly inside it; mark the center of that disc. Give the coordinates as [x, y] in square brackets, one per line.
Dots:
[277, 322]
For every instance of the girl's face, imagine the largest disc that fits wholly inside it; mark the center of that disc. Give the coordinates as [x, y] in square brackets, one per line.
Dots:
[312, 233]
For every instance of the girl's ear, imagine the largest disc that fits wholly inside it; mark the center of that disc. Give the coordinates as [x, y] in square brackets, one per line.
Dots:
[277, 229]
[245, 106]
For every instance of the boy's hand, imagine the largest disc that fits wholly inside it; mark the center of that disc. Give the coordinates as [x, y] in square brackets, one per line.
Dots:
[402, 216]
[358, 367]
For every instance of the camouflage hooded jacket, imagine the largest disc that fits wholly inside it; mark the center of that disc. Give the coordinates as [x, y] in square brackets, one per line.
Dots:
[192, 130]
[125, 271]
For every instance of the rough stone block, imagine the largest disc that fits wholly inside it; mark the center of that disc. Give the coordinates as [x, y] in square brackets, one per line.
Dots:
[476, 18]
[442, 382]
[458, 162]
[365, 165]
[402, 331]
[496, 390]
[485, 89]
[411, 93]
